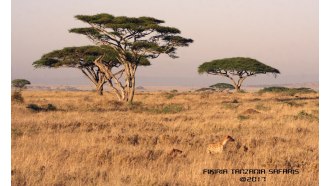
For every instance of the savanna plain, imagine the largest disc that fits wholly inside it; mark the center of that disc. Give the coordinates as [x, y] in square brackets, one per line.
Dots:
[80, 138]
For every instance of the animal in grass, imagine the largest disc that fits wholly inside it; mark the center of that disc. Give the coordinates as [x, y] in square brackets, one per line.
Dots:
[218, 147]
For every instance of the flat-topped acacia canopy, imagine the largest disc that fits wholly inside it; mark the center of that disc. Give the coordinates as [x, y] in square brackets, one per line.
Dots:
[20, 83]
[79, 57]
[242, 67]
[236, 65]
[83, 57]
[143, 36]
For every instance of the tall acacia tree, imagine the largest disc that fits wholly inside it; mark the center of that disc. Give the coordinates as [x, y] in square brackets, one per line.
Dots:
[133, 39]
[238, 66]
[82, 58]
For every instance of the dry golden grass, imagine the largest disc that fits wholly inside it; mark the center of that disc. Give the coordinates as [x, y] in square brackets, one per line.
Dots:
[92, 140]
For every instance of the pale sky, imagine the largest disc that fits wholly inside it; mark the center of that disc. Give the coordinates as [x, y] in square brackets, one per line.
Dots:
[279, 33]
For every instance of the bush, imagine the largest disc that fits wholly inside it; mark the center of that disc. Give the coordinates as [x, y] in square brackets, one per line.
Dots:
[222, 86]
[17, 97]
[34, 107]
[50, 107]
[274, 89]
[37, 108]
[288, 91]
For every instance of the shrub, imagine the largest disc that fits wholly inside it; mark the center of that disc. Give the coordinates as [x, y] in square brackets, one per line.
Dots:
[274, 89]
[222, 86]
[288, 91]
[34, 107]
[50, 107]
[37, 108]
[17, 97]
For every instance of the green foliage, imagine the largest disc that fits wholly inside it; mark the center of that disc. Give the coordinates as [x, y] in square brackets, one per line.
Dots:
[274, 89]
[76, 57]
[20, 83]
[141, 36]
[304, 90]
[37, 108]
[34, 107]
[288, 91]
[238, 64]
[222, 86]
[17, 97]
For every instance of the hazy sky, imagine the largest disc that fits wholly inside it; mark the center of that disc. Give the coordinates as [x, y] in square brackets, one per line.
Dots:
[279, 33]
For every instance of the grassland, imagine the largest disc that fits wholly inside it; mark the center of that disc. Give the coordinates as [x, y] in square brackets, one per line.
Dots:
[91, 140]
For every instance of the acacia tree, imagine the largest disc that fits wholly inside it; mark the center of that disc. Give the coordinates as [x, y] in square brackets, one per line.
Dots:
[237, 66]
[134, 39]
[82, 58]
[20, 83]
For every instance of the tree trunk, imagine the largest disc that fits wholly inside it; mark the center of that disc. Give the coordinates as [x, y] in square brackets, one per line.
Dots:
[237, 88]
[130, 70]
[236, 85]
[100, 91]
[131, 90]
[118, 89]
[99, 85]
[130, 77]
